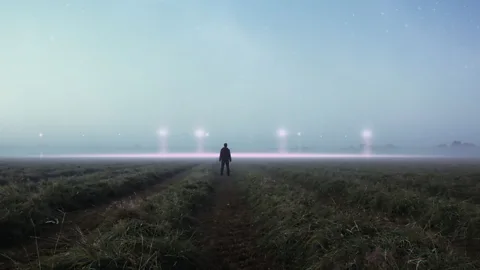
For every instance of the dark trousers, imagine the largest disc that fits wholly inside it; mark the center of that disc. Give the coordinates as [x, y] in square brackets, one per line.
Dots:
[225, 163]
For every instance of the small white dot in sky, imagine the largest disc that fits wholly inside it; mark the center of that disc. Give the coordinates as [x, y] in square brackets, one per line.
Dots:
[386, 31]
[353, 14]
[478, 26]
[419, 8]
[405, 25]
[434, 9]
[118, 134]
[466, 66]
[40, 134]
[396, 9]
[345, 23]
[382, 13]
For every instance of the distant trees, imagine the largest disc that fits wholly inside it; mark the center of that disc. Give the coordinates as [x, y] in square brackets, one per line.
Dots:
[458, 144]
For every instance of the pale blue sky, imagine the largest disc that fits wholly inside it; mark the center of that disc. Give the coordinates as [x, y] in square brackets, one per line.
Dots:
[407, 69]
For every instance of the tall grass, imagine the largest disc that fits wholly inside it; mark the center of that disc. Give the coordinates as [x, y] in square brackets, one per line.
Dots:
[303, 232]
[26, 201]
[154, 233]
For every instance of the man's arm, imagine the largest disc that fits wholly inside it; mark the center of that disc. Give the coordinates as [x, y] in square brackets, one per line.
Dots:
[220, 156]
[229, 155]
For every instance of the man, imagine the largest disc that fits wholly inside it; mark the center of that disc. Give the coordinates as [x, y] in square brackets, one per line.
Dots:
[225, 158]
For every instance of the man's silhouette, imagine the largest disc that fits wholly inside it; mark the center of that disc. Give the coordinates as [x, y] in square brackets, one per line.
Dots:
[225, 158]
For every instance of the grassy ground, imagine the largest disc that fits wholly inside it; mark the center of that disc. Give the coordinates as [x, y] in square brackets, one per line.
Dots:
[328, 215]
[27, 204]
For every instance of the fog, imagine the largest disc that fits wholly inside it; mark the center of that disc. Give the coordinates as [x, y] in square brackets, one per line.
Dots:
[103, 76]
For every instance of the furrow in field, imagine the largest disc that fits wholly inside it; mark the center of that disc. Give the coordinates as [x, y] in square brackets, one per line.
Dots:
[57, 234]
[226, 229]
[149, 232]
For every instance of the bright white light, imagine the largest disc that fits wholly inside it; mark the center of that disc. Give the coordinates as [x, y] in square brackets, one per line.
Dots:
[282, 133]
[207, 134]
[40, 134]
[299, 133]
[162, 132]
[118, 134]
[366, 134]
[200, 133]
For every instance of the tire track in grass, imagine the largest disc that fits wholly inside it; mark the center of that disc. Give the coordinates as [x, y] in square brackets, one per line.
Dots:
[226, 232]
[58, 237]
[150, 233]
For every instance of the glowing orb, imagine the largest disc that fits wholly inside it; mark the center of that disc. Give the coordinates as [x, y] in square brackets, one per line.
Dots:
[162, 132]
[299, 133]
[282, 133]
[199, 133]
[367, 134]
[40, 134]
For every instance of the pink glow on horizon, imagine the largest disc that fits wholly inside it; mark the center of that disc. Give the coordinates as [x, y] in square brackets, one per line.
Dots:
[240, 156]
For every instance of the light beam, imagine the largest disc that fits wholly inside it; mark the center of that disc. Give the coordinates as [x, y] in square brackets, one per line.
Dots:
[200, 134]
[282, 135]
[163, 133]
[367, 142]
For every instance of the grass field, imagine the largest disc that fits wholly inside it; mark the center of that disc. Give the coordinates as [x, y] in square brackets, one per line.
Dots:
[273, 215]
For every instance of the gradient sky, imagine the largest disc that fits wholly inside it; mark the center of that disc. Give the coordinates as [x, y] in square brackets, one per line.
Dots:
[409, 70]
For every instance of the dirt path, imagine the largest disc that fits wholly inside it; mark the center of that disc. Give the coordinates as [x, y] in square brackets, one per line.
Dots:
[226, 231]
[60, 237]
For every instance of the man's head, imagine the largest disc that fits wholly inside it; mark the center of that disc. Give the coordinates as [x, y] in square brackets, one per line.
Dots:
[225, 145]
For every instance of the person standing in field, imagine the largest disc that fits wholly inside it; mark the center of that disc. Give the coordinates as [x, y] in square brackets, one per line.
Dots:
[225, 158]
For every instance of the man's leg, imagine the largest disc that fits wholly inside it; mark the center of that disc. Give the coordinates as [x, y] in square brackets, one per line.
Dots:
[228, 168]
[221, 168]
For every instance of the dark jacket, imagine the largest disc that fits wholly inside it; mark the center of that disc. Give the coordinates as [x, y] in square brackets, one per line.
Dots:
[225, 154]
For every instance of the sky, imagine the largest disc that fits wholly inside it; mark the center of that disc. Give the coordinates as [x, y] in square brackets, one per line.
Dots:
[85, 71]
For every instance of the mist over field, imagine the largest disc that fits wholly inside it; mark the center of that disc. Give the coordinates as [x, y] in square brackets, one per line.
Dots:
[104, 76]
